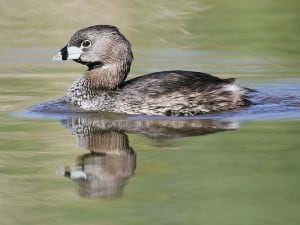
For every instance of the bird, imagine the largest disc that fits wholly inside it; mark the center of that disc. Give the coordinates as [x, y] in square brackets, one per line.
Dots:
[103, 86]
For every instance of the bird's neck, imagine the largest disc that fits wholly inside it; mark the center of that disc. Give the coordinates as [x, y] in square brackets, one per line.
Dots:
[96, 80]
[106, 77]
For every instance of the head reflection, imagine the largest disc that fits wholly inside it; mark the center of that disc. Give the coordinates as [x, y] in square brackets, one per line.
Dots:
[105, 171]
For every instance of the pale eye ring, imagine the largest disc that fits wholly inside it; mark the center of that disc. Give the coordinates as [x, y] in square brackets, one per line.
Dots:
[86, 43]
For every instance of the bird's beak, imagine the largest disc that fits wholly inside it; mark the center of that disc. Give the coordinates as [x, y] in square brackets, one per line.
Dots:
[67, 53]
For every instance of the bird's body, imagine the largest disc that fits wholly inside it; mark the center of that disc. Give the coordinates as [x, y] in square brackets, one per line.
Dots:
[107, 53]
[179, 93]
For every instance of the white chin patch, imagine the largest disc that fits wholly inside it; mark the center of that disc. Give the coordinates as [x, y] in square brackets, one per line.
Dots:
[74, 52]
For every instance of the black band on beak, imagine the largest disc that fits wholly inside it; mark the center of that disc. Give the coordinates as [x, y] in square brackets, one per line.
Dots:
[64, 53]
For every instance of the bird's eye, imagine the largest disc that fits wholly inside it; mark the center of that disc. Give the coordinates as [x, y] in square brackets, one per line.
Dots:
[86, 43]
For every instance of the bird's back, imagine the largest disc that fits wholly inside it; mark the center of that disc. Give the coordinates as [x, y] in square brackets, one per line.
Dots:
[179, 93]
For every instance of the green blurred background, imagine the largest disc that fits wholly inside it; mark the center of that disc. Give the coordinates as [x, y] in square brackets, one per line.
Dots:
[265, 30]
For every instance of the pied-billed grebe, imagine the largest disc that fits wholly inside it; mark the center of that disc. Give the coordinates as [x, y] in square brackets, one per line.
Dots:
[108, 56]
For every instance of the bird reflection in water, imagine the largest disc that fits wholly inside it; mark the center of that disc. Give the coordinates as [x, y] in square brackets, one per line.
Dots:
[105, 171]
